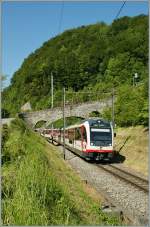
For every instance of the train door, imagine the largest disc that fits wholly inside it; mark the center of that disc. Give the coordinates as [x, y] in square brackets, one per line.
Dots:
[84, 138]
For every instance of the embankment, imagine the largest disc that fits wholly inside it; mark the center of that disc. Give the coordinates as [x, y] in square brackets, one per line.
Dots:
[39, 188]
[132, 143]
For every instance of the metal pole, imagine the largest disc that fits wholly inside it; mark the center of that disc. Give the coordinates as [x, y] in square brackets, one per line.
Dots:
[52, 89]
[113, 112]
[64, 123]
[52, 131]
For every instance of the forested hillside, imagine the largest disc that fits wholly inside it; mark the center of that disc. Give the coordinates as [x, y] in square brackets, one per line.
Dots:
[95, 57]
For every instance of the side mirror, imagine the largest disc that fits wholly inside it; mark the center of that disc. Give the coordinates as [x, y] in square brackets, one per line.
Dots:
[114, 134]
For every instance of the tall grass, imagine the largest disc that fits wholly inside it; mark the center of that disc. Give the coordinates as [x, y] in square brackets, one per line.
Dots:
[32, 194]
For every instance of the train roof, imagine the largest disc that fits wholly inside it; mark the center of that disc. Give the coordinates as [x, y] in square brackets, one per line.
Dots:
[95, 122]
[98, 121]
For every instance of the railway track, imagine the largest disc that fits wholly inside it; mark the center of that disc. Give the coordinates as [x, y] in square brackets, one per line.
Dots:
[129, 177]
[117, 200]
[135, 180]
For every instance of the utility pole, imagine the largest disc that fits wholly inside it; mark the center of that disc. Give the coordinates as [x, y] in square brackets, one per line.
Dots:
[52, 91]
[64, 123]
[113, 112]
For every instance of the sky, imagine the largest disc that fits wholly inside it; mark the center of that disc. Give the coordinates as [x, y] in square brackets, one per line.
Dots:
[27, 25]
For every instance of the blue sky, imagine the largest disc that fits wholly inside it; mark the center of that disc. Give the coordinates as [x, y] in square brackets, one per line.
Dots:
[26, 25]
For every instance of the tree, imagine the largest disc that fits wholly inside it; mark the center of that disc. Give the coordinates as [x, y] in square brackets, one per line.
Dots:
[98, 56]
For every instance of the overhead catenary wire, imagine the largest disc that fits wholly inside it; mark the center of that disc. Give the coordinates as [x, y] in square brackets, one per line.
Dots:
[113, 91]
[117, 15]
[61, 17]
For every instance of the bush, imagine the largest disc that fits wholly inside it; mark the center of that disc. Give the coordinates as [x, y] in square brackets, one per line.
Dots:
[131, 107]
[5, 137]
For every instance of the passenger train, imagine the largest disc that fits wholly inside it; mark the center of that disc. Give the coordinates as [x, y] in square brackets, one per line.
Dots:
[92, 139]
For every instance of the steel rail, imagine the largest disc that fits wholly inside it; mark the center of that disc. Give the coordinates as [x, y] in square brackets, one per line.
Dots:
[124, 214]
[131, 178]
[135, 180]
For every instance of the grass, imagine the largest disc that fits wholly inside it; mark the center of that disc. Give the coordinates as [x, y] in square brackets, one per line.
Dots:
[68, 121]
[132, 142]
[39, 188]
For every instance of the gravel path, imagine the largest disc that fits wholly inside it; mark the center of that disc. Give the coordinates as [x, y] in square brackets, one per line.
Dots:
[131, 201]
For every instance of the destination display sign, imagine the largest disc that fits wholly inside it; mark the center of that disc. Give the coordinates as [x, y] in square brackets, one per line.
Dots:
[99, 130]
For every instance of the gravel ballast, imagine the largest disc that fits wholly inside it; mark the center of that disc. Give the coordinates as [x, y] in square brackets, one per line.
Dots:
[131, 201]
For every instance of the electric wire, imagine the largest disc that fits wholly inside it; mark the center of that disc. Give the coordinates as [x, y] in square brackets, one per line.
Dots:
[61, 17]
[120, 10]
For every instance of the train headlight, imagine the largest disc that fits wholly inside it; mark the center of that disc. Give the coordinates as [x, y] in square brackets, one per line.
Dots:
[92, 144]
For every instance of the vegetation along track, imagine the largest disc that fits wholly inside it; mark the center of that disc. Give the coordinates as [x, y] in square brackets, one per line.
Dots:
[127, 176]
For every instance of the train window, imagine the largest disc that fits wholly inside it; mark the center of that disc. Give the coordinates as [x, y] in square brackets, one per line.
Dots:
[71, 135]
[77, 134]
[101, 137]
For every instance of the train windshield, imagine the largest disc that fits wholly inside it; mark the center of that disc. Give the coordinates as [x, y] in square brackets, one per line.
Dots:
[101, 137]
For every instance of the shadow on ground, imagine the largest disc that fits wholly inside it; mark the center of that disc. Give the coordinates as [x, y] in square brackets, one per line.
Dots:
[118, 158]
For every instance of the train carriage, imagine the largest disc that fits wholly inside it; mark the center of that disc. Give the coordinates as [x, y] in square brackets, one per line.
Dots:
[50, 133]
[92, 139]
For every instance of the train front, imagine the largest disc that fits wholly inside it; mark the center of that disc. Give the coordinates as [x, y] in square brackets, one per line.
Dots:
[100, 140]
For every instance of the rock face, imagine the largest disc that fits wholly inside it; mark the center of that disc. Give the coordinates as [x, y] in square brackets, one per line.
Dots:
[26, 107]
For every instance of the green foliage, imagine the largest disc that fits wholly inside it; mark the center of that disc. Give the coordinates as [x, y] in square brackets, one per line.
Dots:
[20, 126]
[143, 115]
[42, 200]
[131, 107]
[88, 58]
[5, 134]
[39, 124]
[35, 188]
[12, 144]
[68, 121]
[5, 113]
[95, 114]
[107, 114]
[122, 68]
